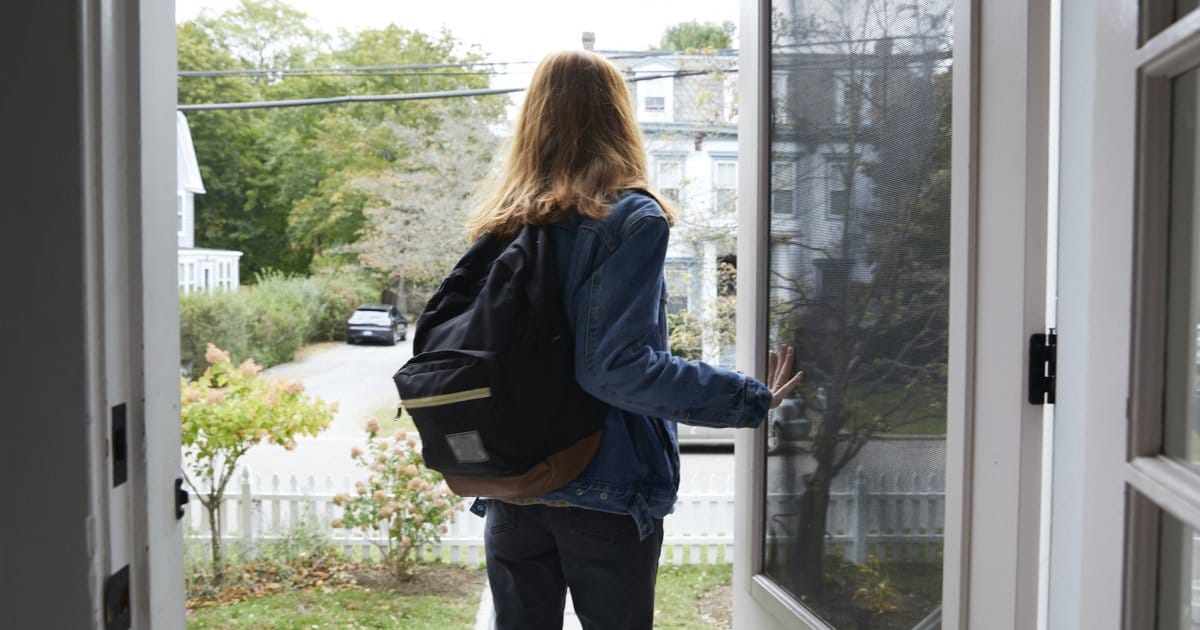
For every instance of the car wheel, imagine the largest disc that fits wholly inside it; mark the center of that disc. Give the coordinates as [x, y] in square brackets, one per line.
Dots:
[350, 340]
[404, 336]
[392, 341]
[774, 438]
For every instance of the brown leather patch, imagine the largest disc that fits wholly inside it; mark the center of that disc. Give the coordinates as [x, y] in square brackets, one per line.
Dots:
[549, 474]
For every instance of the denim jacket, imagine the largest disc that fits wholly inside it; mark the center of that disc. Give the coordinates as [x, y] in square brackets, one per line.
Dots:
[615, 294]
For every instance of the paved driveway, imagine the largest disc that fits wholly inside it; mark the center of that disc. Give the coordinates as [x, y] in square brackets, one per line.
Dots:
[359, 378]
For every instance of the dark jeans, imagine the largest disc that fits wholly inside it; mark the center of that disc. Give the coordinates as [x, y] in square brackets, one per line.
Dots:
[535, 552]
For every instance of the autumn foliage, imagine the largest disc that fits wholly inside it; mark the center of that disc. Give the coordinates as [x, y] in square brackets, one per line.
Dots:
[401, 498]
[230, 408]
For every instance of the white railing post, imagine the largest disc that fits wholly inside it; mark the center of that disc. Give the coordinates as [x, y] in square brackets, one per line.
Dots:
[245, 514]
[860, 516]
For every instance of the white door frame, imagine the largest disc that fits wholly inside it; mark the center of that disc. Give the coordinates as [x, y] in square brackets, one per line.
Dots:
[155, 432]
[998, 281]
[997, 300]
[131, 291]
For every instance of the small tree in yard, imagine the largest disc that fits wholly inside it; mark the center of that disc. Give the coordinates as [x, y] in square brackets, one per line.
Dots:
[229, 409]
[401, 497]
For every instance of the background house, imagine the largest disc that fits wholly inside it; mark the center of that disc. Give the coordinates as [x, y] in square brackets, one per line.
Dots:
[686, 106]
[200, 269]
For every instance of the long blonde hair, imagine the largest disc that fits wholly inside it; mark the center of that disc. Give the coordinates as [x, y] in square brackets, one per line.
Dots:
[576, 144]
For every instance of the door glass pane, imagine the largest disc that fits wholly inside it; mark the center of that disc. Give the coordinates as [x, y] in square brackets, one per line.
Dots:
[1182, 409]
[1178, 575]
[859, 270]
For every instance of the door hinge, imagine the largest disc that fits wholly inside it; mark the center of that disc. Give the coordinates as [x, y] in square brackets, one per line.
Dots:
[117, 615]
[120, 446]
[1043, 360]
[181, 498]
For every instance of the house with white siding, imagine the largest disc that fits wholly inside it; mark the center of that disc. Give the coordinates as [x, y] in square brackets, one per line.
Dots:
[200, 269]
[685, 105]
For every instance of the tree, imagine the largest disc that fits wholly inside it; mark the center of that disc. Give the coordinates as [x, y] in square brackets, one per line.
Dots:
[868, 313]
[416, 232]
[696, 35]
[229, 409]
[281, 181]
[357, 141]
[263, 33]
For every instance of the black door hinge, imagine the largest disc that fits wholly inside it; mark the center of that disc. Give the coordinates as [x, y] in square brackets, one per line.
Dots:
[1043, 360]
[120, 446]
[181, 498]
[117, 615]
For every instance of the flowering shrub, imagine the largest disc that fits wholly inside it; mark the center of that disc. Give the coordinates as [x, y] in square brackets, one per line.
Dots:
[401, 497]
[229, 409]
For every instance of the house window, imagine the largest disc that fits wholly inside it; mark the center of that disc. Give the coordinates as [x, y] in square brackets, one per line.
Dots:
[677, 304]
[839, 202]
[725, 185]
[668, 178]
[837, 181]
[832, 276]
[783, 187]
[656, 103]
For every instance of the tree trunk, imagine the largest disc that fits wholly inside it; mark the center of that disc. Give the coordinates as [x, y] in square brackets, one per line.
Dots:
[810, 549]
[402, 295]
[214, 528]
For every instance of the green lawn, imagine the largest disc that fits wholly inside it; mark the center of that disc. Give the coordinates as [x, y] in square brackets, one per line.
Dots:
[342, 608]
[694, 596]
[687, 597]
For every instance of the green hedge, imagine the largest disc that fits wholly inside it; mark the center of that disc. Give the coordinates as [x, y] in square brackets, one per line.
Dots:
[270, 320]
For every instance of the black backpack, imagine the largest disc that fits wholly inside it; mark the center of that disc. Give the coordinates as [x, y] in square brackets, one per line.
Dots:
[491, 384]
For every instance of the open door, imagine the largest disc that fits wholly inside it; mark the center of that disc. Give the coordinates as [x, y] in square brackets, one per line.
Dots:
[1124, 546]
[894, 211]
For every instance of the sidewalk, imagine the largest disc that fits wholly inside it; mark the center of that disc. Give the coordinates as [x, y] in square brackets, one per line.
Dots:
[483, 618]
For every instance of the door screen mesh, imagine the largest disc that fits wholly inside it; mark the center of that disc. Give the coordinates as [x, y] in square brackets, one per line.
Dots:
[859, 270]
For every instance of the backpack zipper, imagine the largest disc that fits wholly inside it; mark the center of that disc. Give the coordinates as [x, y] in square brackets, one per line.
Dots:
[448, 399]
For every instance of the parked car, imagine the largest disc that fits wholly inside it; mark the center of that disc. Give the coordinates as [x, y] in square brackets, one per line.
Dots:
[789, 422]
[377, 322]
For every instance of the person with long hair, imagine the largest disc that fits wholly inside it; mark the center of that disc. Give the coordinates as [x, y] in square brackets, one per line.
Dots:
[576, 163]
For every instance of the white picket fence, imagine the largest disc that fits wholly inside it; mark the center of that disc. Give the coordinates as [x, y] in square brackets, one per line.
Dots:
[890, 518]
[893, 517]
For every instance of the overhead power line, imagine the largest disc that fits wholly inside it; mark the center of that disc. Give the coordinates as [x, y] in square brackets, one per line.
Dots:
[248, 72]
[243, 72]
[335, 100]
[414, 96]
[365, 74]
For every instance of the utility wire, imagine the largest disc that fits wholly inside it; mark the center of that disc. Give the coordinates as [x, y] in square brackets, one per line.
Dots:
[414, 96]
[395, 67]
[339, 69]
[378, 98]
[368, 74]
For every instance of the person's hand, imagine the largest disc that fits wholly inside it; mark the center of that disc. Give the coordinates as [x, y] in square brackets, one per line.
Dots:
[778, 372]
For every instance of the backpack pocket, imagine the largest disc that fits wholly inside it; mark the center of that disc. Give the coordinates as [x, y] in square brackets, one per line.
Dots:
[452, 398]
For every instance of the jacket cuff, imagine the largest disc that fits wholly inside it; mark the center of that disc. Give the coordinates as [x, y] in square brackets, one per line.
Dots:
[756, 402]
